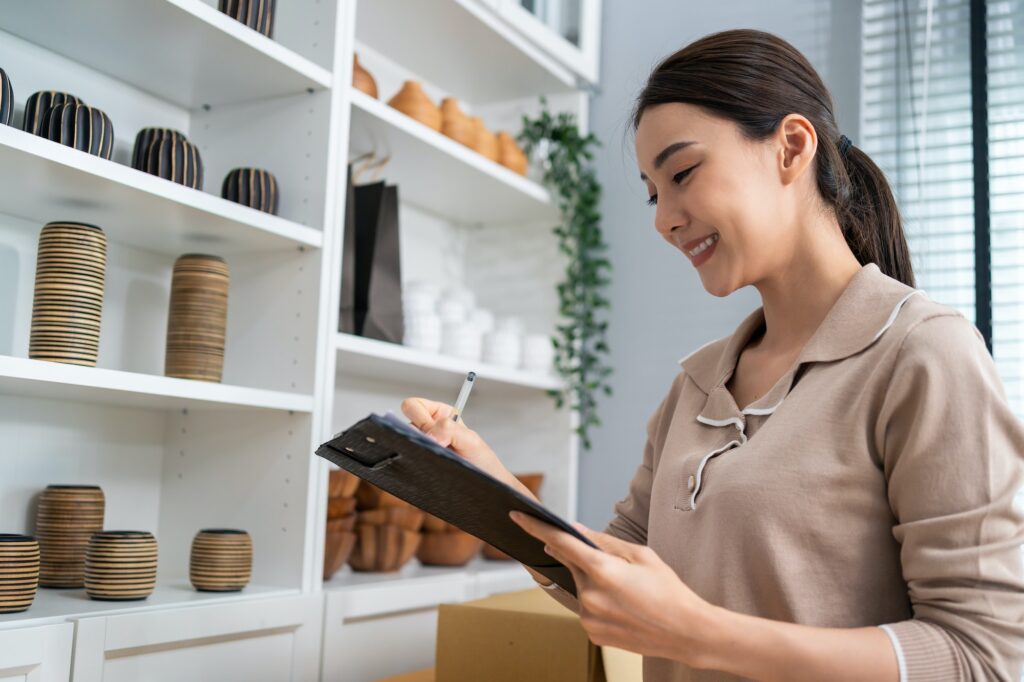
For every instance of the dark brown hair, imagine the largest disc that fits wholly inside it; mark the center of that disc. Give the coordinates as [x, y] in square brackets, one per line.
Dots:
[756, 79]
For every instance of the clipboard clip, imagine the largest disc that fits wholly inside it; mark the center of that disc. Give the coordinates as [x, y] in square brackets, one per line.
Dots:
[373, 456]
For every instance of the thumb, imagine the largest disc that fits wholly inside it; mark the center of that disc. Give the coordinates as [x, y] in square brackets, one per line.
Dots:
[609, 543]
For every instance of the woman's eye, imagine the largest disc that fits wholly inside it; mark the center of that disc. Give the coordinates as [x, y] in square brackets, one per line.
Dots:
[681, 175]
[653, 201]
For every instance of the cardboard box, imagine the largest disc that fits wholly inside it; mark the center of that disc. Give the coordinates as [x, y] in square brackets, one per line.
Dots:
[523, 636]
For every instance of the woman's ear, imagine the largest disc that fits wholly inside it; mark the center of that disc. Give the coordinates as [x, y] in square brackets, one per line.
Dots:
[798, 142]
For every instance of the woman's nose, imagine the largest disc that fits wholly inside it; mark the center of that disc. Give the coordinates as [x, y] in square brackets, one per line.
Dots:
[666, 219]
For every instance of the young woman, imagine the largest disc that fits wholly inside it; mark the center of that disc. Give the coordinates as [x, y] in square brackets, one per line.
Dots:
[834, 491]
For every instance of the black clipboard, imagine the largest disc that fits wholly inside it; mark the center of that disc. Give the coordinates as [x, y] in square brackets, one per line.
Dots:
[401, 460]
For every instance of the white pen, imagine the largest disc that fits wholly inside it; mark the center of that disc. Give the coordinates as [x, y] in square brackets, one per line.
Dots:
[460, 403]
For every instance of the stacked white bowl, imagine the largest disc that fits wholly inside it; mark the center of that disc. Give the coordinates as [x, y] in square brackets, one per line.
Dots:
[538, 353]
[420, 311]
[461, 333]
[503, 344]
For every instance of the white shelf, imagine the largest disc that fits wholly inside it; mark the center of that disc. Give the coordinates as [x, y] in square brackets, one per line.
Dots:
[392, 362]
[183, 51]
[441, 176]
[59, 605]
[461, 48]
[57, 381]
[53, 182]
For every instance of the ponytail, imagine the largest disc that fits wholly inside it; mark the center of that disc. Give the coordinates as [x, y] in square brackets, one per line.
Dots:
[756, 79]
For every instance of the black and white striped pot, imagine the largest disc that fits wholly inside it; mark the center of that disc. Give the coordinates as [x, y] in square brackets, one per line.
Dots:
[80, 126]
[256, 14]
[37, 106]
[6, 99]
[144, 138]
[174, 158]
[252, 187]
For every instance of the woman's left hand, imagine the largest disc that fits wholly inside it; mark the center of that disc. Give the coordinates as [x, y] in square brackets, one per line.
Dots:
[629, 598]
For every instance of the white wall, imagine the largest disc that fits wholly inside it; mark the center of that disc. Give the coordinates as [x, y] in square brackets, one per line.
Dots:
[660, 311]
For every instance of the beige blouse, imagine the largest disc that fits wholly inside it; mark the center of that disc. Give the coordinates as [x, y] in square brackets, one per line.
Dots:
[879, 482]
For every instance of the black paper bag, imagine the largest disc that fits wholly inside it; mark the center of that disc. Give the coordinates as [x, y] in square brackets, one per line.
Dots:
[376, 281]
[347, 319]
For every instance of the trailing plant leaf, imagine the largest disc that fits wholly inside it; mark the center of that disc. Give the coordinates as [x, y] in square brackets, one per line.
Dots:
[581, 346]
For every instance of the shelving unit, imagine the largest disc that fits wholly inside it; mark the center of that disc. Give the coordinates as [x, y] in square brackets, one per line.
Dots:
[174, 456]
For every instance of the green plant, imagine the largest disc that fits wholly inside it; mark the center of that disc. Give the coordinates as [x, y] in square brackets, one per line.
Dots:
[566, 157]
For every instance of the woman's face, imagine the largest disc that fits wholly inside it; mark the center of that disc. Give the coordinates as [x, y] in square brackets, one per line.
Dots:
[709, 182]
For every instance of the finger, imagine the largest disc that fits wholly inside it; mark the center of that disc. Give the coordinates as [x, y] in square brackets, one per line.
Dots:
[568, 546]
[424, 413]
[609, 543]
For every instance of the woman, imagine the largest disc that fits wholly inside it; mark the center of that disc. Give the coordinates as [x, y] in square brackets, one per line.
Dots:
[856, 519]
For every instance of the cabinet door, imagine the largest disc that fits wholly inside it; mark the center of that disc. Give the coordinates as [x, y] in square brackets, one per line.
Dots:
[41, 654]
[568, 30]
[264, 639]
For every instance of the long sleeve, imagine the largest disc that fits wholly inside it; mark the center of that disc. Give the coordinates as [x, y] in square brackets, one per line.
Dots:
[953, 457]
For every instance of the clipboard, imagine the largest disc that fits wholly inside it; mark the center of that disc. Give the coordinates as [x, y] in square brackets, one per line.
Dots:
[401, 460]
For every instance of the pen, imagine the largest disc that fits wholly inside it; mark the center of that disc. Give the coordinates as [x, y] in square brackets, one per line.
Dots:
[460, 403]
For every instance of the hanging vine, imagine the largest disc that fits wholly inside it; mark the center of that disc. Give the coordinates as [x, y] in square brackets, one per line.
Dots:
[581, 346]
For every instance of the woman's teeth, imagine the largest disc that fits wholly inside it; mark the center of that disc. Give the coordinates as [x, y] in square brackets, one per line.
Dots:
[703, 246]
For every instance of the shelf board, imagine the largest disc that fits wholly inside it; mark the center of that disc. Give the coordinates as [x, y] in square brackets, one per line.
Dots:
[395, 363]
[54, 182]
[488, 62]
[183, 51]
[28, 378]
[441, 176]
[60, 605]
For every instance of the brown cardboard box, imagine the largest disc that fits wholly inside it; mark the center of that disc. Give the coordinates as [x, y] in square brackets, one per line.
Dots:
[522, 636]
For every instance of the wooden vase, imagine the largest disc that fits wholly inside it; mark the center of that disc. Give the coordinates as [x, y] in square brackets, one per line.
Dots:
[80, 126]
[361, 78]
[19, 572]
[174, 158]
[66, 517]
[120, 565]
[451, 548]
[414, 103]
[38, 104]
[197, 318]
[256, 14]
[6, 99]
[67, 304]
[510, 155]
[252, 187]
[221, 560]
[485, 142]
[456, 124]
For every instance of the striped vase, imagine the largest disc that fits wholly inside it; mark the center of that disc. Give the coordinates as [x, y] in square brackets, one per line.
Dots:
[38, 104]
[256, 14]
[140, 152]
[252, 187]
[80, 126]
[174, 158]
[6, 99]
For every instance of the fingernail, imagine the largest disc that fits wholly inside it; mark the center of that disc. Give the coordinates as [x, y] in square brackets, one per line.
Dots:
[514, 515]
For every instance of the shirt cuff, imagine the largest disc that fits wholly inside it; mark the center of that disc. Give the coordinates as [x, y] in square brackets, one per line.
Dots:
[923, 652]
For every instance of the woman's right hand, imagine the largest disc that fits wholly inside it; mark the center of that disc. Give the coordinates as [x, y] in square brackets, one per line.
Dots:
[435, 420]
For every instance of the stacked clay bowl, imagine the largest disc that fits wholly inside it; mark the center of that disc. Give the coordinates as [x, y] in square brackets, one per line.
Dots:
[197, 318]
[221, 560]
[120, 565]
[66, 518]
[341, 520]
[19, 572]
[252, 187]
[67, 305]
[446, 545]
[533, 482]
[414, 103]
[387, 530]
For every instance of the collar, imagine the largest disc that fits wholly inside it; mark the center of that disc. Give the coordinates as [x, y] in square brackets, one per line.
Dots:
[862, 313]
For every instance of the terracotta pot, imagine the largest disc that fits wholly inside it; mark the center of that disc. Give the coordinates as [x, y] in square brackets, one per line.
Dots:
[456, 124]
[361, 78]
[510, 155]
[448, 549]
[486, 143]
[414, 103]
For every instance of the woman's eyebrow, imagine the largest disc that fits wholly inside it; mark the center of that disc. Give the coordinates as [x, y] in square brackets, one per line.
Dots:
[668, 151]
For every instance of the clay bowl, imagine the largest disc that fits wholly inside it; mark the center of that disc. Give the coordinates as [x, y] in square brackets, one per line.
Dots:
[383, 548]
[342, 523]
[342, 484]
[340, 506]
[432, 524]
[448, 549]
[337, 551]
[369, 496]
[409, 518]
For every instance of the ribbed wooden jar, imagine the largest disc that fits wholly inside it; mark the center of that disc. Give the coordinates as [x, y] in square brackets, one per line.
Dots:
[39, 103]
[6, 99]
[66, 518]
[120, 565]
[256, 14]
[80, 126]
[19, 572]
[67, 304]
[197, 319]
[174, 158]
[252, 187]
[221, 560]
